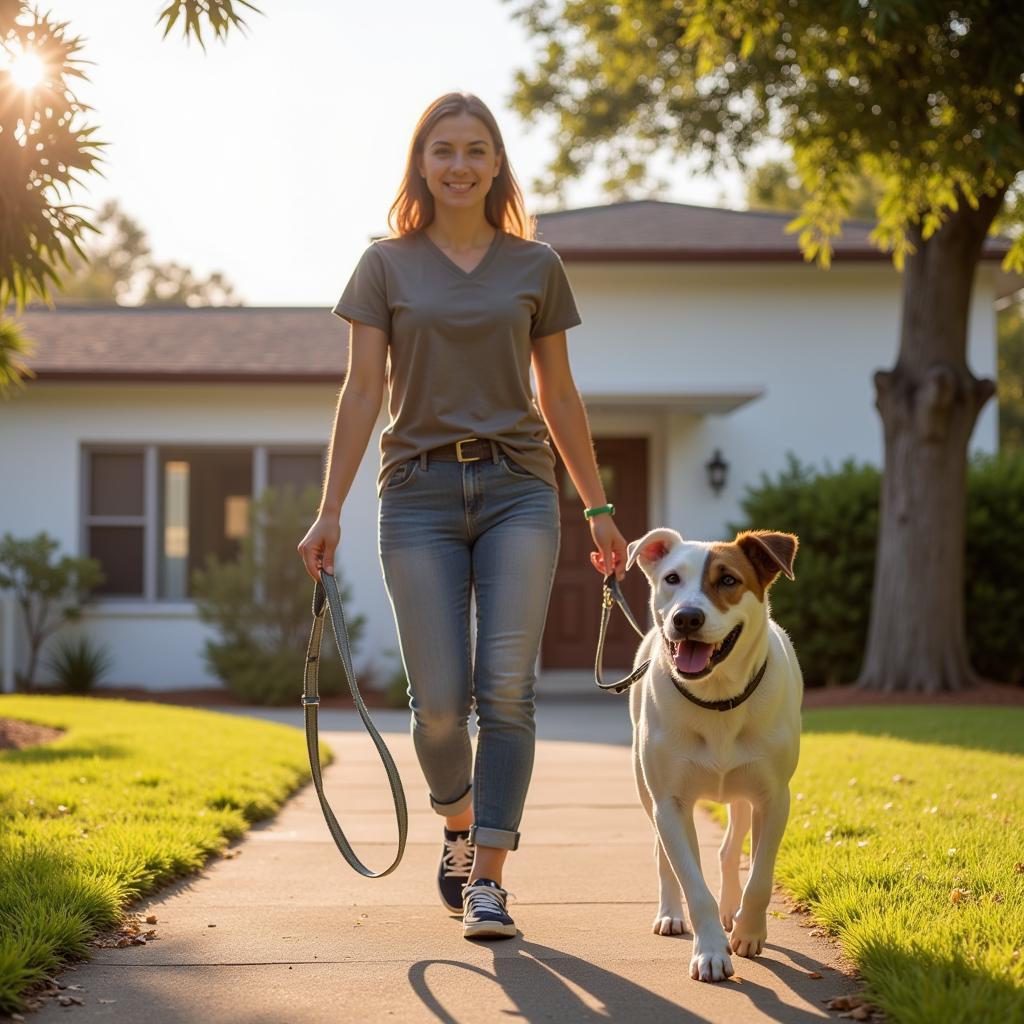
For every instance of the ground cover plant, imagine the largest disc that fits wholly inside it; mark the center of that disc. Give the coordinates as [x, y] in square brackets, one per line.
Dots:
[904, 841]
[132, 796]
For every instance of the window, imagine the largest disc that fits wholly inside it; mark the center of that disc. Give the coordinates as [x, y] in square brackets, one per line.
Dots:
[204, 510]
[115, 520]
[153, 515]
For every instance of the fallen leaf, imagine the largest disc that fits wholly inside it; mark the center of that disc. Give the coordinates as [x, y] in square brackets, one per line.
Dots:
[151, 919]
[844, 1002]
[815, 974]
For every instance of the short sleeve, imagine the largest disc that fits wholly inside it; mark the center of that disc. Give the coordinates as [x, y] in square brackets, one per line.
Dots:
[557, 308]
[365, 296]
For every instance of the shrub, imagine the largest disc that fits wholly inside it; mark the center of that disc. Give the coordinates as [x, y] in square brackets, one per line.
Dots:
[261, 604]
[78, 665]
[48, 592]
[835, 514]
[995, 566]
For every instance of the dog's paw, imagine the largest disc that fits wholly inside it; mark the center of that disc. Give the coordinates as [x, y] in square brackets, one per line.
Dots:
[748, 937]
[711, 961]
[728, 907]
[669, 923]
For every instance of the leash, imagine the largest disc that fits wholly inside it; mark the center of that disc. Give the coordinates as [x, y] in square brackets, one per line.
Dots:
[612, 594]
[325, 595]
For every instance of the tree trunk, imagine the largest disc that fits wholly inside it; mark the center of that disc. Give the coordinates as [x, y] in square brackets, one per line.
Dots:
[929, 403]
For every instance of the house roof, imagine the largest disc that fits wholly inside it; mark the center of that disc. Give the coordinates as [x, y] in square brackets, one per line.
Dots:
[218, 344]
[654, 230]
[302, 345]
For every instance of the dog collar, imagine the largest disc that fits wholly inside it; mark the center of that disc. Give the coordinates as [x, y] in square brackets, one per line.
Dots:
[723, 705]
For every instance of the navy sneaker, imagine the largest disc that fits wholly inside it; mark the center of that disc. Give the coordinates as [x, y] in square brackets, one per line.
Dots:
[453, 872]
[484, 915]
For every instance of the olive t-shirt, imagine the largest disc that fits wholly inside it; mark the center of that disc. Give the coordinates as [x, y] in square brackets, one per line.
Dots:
[459, 343]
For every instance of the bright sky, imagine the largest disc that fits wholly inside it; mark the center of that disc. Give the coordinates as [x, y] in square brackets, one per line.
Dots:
[275, 156]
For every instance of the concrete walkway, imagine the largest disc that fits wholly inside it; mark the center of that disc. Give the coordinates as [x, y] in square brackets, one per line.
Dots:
[287, 932]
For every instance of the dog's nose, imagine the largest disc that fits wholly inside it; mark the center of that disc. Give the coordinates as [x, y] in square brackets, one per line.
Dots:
[688, 620]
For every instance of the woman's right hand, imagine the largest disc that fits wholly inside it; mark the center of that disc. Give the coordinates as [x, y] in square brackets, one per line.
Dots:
[317, 548]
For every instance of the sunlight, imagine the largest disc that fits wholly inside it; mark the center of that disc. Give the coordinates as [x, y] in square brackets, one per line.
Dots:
[26, 70]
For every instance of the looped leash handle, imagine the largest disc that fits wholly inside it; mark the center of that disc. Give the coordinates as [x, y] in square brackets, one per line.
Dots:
[325, 595]
[612, 594]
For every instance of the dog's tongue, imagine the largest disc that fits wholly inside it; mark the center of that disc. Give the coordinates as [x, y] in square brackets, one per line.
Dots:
[693, 656]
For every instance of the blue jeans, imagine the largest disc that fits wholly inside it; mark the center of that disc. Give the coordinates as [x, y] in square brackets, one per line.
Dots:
[446, 527]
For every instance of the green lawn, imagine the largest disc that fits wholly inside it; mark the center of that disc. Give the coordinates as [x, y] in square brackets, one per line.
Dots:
[132, 796]
[906, 840]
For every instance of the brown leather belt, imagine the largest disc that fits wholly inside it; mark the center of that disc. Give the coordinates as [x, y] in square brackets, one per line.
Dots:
[469, 449]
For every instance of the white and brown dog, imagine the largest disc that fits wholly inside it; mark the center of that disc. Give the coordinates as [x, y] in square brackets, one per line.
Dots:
[715, 716]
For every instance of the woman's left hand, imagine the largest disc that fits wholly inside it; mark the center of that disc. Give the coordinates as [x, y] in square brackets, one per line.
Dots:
[611, 546]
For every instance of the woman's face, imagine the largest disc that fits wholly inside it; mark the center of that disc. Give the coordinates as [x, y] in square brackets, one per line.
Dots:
[459, 161]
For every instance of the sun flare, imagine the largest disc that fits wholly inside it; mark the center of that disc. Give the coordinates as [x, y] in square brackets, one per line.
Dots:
[26, 70]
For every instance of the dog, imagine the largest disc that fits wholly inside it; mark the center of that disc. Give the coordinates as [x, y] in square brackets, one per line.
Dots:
[714, 641]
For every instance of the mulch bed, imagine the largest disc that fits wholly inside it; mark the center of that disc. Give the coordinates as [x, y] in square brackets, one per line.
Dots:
[847, 696]
[17, 735]
[214, 696]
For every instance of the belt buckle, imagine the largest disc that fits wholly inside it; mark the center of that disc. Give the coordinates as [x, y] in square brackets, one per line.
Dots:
[458, 450]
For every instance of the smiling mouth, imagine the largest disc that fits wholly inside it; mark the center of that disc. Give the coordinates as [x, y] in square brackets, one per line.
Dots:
[694, 659]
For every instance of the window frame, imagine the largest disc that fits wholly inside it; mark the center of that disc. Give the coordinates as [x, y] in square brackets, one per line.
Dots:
[150, 451]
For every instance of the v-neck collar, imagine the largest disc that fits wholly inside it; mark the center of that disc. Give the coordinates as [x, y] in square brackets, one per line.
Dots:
[485, 260]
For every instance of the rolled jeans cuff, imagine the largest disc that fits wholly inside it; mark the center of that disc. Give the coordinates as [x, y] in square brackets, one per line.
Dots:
[499, 837]
[456, 806]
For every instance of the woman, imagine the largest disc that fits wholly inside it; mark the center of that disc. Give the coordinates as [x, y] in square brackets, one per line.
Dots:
[463, 300]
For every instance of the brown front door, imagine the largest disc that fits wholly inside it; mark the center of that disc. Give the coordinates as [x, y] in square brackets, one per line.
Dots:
[570, 636]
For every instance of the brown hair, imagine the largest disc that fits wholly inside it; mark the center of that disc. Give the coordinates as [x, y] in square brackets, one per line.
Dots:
[413, 208]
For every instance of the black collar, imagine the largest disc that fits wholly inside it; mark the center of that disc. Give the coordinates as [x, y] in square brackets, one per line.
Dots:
[722, 705]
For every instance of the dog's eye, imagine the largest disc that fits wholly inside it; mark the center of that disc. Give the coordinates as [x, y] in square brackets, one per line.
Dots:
[672, 578]
[728, 581]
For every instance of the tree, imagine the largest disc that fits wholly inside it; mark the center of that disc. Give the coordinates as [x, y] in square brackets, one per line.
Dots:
[46, 146]
[117, 268]
[924, 98]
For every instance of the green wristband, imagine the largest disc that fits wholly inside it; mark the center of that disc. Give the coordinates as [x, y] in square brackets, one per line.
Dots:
[589, 513]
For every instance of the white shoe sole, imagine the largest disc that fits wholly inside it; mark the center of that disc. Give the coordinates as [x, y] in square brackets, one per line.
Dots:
[488, 930]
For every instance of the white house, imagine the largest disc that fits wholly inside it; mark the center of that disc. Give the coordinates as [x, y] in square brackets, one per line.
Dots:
[147, 431]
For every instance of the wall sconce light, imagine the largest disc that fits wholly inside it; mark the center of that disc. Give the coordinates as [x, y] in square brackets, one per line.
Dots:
[718, 470]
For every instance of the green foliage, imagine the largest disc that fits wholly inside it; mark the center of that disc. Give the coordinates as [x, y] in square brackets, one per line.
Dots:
[1010, 327]
[78, 665]
[775, 185]
[261, 605]
[995, 566]
[44, 147]
[131, 797]
[48, 593]
[13, 345]
[221, 15]
[902, 842]
[924, 99]
[835, 514]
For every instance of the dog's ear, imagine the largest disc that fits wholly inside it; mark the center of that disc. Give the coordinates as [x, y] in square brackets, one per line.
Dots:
[770, 553]
[652, 547]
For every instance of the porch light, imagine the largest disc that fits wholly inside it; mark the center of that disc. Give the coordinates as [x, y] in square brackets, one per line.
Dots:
[718, 470]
